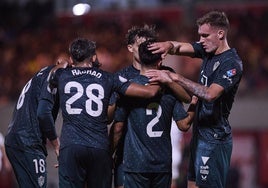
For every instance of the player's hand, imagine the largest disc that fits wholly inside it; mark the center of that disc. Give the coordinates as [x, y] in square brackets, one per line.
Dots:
[161, 76]
[194, 100]
[161, 47]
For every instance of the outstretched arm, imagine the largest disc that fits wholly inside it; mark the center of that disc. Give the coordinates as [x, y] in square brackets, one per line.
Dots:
[203, 92]
[144, 91]
[172, 47]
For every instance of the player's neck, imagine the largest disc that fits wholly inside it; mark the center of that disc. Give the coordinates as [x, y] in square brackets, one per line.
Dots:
[84, 64]
[144, 69]
[222, 48]
[136, 65]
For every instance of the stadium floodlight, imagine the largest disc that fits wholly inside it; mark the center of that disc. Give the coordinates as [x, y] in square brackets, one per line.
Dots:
[81, 9]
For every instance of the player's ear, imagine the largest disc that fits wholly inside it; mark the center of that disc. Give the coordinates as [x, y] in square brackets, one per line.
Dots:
[94, 57]
[71, 61]
[221, 34]
[159, 64]
[130, 48]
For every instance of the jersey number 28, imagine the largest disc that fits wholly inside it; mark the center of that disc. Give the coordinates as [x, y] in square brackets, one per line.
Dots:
[92, 99]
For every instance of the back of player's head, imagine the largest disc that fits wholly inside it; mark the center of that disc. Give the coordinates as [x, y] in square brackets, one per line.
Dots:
[147, 32]
[81, 49]
[216, 19]
[146, 56]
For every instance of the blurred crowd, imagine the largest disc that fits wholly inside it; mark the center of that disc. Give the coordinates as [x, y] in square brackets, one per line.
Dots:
[30, 42]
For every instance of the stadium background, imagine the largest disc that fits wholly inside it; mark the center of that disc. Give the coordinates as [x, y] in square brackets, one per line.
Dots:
[34, 33]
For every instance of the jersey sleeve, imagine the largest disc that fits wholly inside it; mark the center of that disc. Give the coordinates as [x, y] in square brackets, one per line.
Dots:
[54, 77]
[47, 111]
[46, 120]
[229, 74]
[121, 114]
[113, 98]
[179, 112]
[198, 50]
[120, 84]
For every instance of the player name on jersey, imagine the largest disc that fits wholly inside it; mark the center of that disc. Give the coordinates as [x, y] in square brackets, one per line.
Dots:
[76, 72]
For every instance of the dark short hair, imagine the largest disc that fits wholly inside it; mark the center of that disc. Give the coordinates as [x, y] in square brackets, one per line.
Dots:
[214, 18]
[147, 31]
[146, 56]
[81, 49]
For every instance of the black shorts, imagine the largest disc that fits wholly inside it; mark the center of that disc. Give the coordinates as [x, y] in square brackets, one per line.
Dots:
[29, 168]
[80, 166]
[119, 175]
[209, 163]
[147, 180]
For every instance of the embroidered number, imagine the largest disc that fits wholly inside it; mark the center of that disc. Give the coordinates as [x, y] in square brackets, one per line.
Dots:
[93, 105]
[154, 121]
[22, 95]
[40, 165]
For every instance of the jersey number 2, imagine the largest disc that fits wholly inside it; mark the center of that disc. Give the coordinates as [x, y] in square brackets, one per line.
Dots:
[154, 121]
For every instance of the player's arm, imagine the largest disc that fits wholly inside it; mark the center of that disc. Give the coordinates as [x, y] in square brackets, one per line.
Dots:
[116, 133]
[111, 109]
[209, 94]
[173, 48]
[5, 161]
[180, 93]
[144, 91]
[117, 127]
[47, 123]
[202, 92]
[185, 124]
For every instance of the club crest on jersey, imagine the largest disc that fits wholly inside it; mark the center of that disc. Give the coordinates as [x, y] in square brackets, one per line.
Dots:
[41, 181]
[216, 65]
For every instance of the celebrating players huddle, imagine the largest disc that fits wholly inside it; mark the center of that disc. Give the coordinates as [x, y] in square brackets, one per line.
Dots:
[142, 100]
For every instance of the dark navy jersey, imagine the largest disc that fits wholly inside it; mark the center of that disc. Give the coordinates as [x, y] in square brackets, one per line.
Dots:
[147, 142]
[224, 69]
[125, 74]
[24, 132]
[84, 98]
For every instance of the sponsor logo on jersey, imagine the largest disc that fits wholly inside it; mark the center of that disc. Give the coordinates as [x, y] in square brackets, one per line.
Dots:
[204, 169]
[231, 72]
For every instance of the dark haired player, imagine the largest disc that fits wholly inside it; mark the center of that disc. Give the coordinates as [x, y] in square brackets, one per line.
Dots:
[25, 142]
[220, 75]
[147, 147]
[84, 92]
[134, 37]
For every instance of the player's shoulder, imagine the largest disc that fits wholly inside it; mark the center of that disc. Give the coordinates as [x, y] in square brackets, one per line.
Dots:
[44, 71]
[231, 59]
[126, 70]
